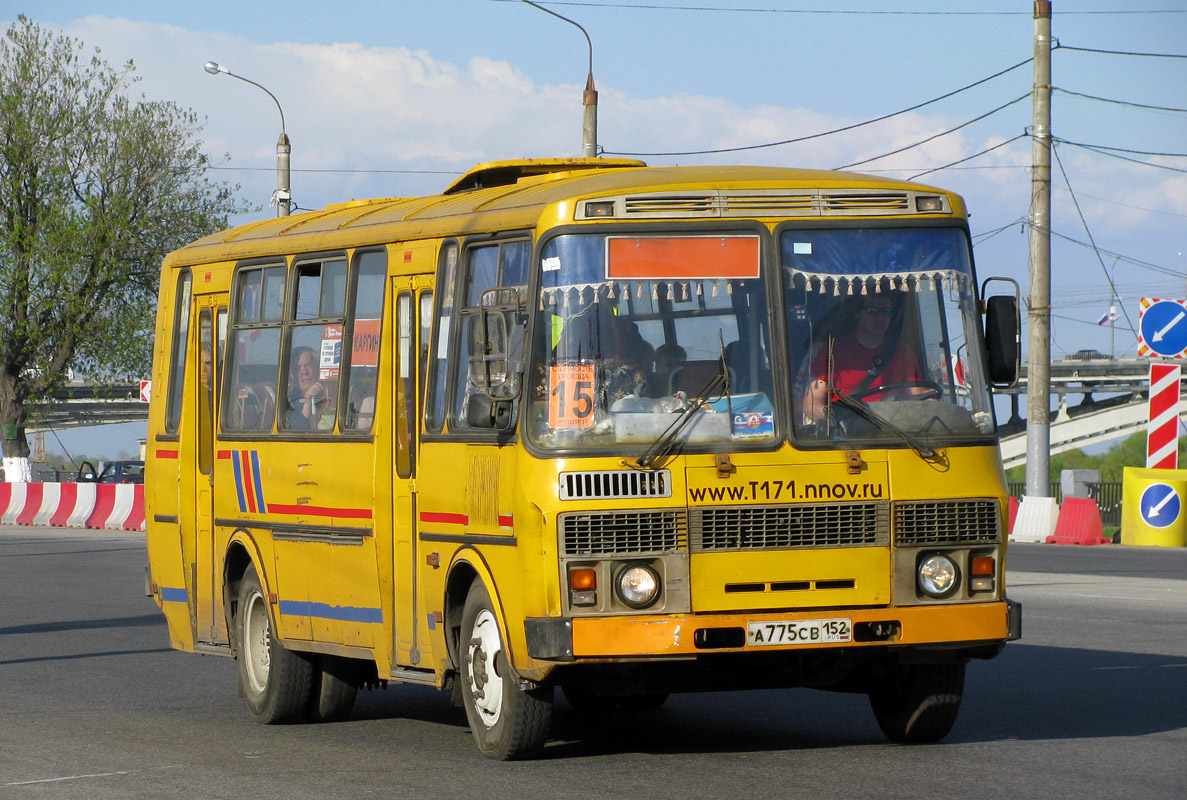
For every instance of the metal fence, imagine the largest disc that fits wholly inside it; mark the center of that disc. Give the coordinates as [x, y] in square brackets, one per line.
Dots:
[1107, 495]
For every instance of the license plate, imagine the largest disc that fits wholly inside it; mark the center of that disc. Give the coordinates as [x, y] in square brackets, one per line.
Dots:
[806, 631]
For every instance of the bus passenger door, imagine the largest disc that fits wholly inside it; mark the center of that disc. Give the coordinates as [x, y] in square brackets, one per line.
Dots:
[209, 578]
[411, 299]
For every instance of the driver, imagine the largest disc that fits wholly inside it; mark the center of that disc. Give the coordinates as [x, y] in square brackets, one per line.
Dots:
[866, 357]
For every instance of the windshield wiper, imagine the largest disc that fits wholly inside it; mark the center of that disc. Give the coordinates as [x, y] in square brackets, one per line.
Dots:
[664, 444]
[865, 412]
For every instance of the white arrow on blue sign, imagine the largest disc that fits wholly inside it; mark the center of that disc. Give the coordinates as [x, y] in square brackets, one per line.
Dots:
[1160, 505]
[1163, 328]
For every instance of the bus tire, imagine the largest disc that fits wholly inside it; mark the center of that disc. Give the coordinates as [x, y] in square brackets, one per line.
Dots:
[508, 722]
[335, 687]
[276, 682]
[918, 703]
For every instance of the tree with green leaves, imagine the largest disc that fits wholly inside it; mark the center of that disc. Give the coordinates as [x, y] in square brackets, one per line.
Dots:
[95, 189]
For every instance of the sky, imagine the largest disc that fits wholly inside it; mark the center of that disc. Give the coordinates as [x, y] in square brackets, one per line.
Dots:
[397, 98]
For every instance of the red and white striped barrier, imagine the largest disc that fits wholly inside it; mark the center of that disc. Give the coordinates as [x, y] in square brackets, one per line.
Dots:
[108, 506]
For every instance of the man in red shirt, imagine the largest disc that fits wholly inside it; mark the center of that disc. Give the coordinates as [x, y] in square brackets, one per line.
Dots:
[867, 356]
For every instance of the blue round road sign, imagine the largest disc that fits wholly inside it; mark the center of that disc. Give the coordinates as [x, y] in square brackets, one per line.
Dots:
[1164, 328]
[1160, 505]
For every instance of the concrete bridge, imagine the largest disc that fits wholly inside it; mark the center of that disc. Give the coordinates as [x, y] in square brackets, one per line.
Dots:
[1112, 405]
[82, 403]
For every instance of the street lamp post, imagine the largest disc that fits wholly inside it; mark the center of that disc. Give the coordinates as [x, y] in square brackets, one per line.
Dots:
[283, 197]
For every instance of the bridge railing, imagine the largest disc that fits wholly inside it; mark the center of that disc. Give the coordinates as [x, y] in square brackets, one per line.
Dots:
[1107, 495]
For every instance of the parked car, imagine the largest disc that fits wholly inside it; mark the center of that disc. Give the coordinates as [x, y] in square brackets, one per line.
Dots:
[113, 472]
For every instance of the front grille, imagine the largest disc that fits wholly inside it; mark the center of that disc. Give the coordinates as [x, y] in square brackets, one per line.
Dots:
[603, 484]
[947, 522]
[603, 533]
[803, 525]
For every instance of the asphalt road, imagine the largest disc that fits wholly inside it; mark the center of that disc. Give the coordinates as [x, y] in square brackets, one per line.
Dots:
[1092, 703]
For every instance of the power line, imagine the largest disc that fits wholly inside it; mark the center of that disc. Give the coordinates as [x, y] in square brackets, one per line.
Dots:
[826, 133]
[272, 169]
[1061, 46]
[838, 12]
[1104, 152]
[1118, 102]
[938, 135]
[1087, 230]
[969, 158]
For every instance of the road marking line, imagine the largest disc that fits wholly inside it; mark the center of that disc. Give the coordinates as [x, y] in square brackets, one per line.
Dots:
[72, 778]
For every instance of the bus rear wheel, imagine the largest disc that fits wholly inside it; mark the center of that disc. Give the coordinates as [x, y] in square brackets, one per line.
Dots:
[918, 703]
[275, 681]
[508, 721]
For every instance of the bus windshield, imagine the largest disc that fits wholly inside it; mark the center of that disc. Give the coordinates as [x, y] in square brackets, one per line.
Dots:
[884, 324]
[639, 328]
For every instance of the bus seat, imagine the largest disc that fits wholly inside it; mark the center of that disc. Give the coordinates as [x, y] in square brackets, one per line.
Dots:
[267, 394]
[247, 408]
[694, 376]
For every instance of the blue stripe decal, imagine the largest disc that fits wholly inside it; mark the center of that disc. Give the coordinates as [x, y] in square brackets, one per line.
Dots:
[255, 469]
[239, 481]
[298, 608]
[171, 595]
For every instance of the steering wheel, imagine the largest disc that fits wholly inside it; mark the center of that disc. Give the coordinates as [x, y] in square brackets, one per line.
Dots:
[932, 390]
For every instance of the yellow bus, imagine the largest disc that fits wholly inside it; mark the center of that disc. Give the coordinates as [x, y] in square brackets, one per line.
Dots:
[590, 425]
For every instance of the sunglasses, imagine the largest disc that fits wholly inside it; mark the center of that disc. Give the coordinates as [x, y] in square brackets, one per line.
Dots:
[878, 311]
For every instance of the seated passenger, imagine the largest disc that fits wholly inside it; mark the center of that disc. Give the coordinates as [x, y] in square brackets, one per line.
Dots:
[869, 354]
[308, 397]
[668, 358]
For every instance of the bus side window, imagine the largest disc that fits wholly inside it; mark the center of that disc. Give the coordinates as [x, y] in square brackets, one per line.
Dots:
[370, 270]
[488, 266]
[439, 366]
[253, 350]
[181, 334]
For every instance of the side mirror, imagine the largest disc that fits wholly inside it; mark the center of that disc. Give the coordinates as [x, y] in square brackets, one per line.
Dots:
[1002, 329]
[483, 412]
[496, 337]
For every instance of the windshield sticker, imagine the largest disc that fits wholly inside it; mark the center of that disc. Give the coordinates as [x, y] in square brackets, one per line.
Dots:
[551, 264]
[753, 425]
[681, 257]
[571, 396]
[802, 248]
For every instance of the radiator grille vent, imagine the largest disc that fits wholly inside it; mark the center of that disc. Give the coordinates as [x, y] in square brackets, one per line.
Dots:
[763, 203]
[609, 484]
[623, 532]
[806, 525]
[947, 522]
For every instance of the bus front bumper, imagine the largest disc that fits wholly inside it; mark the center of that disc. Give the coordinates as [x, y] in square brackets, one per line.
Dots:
[567, 639]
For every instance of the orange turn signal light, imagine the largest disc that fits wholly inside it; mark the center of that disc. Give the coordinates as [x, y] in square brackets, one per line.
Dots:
[583, 579]
[983, 565]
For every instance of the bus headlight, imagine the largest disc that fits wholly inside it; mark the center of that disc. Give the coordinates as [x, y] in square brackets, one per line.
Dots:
[937, 575]
[637, 585]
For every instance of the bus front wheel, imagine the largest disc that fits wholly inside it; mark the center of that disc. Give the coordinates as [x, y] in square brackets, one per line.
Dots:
[509, 722]
[275, 681]
[917, 703]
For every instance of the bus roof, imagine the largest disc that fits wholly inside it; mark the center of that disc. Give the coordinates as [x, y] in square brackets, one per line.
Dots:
[504, 195]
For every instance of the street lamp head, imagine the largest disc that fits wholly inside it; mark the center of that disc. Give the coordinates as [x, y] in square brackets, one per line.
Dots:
[215, 68]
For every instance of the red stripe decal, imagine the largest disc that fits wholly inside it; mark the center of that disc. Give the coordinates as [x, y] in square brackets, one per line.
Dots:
[321, 511]
[506, 521]
[166, 454]
[451, 519]
[224, 454]
[248, 487]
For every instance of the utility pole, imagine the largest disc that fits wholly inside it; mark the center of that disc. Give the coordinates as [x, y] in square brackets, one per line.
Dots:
[1038, 380]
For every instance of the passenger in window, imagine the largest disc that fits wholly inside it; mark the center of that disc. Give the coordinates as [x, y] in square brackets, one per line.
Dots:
[869, 359]
[308, 397]
[667, 359]
[625, 354]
